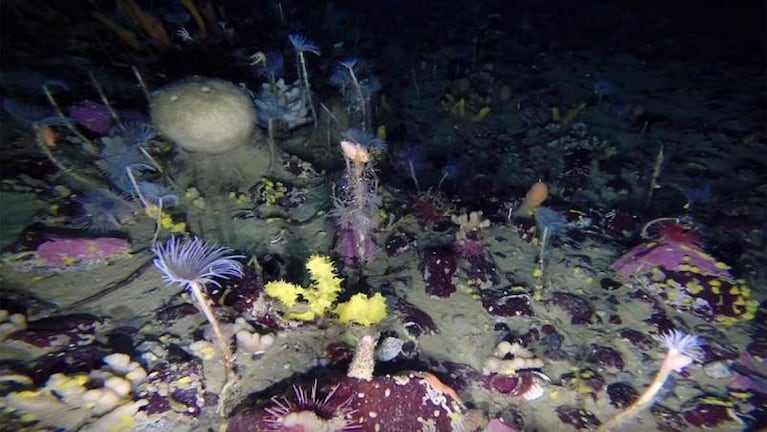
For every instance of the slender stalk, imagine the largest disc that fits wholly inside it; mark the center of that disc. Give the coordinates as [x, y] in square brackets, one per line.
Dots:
[413, 176]
[157, 222]
[644, 235]
[656, 172]
[415, 84]
[642, 402]
[157, 166]
[133, 181]
[360, 200]
[270, 137]
[141, 82]
[223, 346]
[67, 122]
[307, 89]
[103, 97]
[363, 102]
[442, 180]
[56, 162]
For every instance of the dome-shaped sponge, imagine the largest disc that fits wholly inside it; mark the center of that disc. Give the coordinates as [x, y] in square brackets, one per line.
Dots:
[204, 115]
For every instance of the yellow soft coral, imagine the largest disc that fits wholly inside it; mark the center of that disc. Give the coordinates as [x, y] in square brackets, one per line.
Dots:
[318, 297]
[285, 292]
[363, 310]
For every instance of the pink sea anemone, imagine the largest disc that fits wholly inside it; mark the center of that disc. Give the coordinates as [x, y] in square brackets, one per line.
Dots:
[527, 384]
[308, 412]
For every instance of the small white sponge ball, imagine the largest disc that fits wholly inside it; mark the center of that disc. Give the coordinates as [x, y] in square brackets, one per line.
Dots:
[204, 115]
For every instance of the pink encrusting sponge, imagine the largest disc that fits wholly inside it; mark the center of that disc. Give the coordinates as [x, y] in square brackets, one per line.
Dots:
[70, 252]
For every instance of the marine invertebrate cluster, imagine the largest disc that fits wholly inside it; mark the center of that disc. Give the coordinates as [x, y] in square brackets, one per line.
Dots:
[688, 278]
[509, 358]
[356, 207]
[280, 106]
[98, 401]
[312, 302]
[408, 401]
[468, 224]
[514, 370]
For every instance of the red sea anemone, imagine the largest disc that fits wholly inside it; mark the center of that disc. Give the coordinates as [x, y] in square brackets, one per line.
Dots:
[527, 384]
[679, 234]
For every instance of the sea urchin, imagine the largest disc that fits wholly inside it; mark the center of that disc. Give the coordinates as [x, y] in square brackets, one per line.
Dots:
[308, 412]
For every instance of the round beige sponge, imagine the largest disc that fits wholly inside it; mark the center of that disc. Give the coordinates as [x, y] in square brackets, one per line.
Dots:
[204, 115]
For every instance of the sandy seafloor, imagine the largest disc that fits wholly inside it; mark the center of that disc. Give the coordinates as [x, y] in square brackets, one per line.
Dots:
[708, 139]
[467, 334]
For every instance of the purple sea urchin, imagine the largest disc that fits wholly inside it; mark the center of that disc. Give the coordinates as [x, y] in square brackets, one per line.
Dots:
[309, 412]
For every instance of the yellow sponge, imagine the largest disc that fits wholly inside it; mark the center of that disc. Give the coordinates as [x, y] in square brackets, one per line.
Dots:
[306, 304]
[363, 310]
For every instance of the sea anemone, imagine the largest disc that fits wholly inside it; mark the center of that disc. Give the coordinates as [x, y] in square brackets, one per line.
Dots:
[683, 349]
[301, 43]
[309, 412]
[193, 261]
[192, 264]
[103, 211]
[134, 132]
[117, 157]
[369, 141]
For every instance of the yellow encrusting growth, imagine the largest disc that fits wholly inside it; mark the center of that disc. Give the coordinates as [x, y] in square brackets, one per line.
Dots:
[286, 292]
[363, 310]
[165, 220]
[316, 300]
[317, 297]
